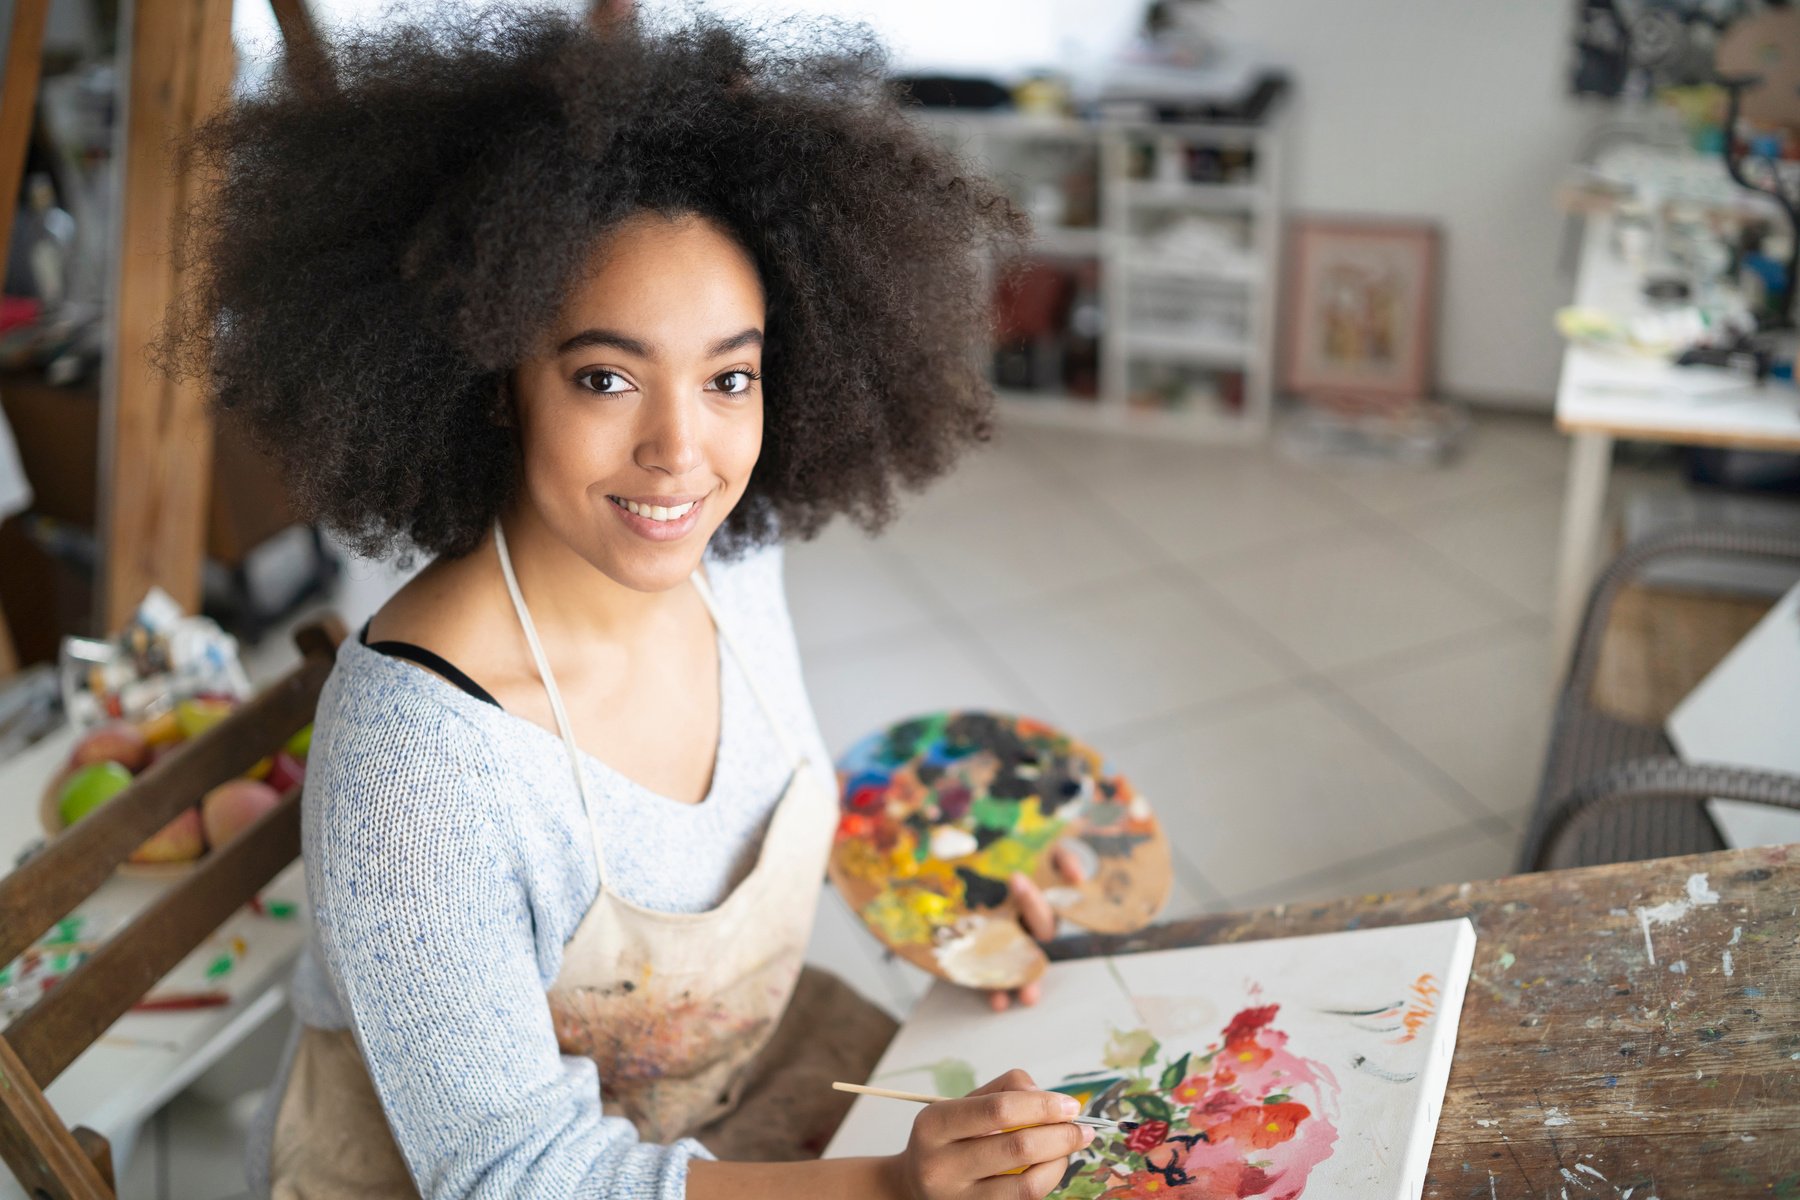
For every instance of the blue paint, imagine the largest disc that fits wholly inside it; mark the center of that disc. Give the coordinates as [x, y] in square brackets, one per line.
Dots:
[1611, 1081]
[1753, 992]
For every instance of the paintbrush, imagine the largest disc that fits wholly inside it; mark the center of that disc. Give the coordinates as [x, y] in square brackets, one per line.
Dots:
[921, 1098]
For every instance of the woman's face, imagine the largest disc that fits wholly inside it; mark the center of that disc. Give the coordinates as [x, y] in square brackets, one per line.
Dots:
[640, 417]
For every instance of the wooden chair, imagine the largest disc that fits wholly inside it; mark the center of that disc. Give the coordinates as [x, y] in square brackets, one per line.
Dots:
[50, 1160]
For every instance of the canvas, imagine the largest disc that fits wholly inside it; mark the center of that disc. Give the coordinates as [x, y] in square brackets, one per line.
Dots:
[1299, 1067]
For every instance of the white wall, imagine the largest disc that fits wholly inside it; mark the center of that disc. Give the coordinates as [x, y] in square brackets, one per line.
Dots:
[1452, 110]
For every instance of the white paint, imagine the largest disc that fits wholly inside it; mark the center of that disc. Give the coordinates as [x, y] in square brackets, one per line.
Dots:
[1554, 1118]
[1699, 895]
[1485, 1124]
[1589, 1170]
[1737, 932]
[948, 842]
[1678, 967]
[987, 953]
[1727, 962]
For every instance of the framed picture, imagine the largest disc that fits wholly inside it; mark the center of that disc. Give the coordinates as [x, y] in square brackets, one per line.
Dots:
[1360, 301]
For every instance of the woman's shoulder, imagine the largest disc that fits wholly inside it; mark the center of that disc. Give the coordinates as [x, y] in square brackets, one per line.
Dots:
[381, 719]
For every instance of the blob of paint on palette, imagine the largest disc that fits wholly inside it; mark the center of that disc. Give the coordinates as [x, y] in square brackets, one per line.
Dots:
[938, 813]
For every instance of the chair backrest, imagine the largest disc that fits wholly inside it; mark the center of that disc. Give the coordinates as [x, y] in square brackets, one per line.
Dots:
[46, 1157]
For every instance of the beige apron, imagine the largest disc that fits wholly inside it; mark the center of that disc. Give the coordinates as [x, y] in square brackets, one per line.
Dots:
[687, 1015]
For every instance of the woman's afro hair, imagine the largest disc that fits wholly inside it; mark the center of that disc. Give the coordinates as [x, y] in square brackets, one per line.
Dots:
[386, 232]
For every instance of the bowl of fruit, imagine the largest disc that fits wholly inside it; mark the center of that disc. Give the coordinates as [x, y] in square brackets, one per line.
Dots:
[108, 758]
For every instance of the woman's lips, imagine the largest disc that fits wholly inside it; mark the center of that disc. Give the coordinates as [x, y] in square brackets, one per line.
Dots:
[654, 519]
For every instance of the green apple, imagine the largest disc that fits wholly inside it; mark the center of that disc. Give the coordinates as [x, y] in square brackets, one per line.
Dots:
[89, 787]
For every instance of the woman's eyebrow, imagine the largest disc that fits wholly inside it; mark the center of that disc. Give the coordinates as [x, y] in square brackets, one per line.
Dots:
[737, 341]
[606, 337]
[631, 345]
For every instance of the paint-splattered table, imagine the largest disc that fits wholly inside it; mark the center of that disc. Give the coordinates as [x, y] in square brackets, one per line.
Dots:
[1630, 1030]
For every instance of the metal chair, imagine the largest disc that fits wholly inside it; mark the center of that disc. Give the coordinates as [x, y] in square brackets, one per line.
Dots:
[1613, 790]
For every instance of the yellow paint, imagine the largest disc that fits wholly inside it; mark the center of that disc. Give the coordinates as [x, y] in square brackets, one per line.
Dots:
[861, 860]
[1246, 1056]
[1272, 1127]
[1031, 818]
[1004, 857]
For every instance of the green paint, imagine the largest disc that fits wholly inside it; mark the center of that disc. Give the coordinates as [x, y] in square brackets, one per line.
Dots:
[1176, 1072]
[1153, 1108]
[221, 966]
[953, 1077]
[67, 930]
[994, 813]
[1507, 959]
[281, 910]
[1276, 1098]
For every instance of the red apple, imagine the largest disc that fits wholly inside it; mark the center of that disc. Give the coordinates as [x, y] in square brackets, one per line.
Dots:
[285, 772]
[233, 807]
[181, 840]
[118, 742]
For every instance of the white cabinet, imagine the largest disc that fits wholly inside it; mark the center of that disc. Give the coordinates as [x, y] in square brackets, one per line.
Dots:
[1169, 238]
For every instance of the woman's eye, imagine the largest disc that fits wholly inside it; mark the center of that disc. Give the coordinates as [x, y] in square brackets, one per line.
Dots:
[605, 382]
[734, 383]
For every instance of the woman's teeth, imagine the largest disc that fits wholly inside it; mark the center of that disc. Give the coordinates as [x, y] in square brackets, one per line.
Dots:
[654, 512]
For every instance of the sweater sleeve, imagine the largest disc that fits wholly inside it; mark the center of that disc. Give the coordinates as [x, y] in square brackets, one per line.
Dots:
[425, 929]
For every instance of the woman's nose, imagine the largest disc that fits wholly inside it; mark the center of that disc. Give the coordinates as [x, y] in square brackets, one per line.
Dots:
[669, 438]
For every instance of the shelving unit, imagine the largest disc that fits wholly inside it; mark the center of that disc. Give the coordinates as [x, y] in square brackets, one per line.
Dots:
[1186, 341]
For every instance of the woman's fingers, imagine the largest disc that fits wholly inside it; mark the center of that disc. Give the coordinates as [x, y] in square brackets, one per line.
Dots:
[1068, 863]
[1031, 993]
[981, 1113]
[1034, 907]
[1015, 1080]
[999, 1153]
[1037, 1181]
[1000, 1001]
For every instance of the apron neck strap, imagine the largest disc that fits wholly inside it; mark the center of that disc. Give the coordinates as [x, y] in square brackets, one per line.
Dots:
[549, 680]
[562, 717]
[762, 700]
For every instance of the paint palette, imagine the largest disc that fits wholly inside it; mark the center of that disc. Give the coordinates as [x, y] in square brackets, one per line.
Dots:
[939, 812]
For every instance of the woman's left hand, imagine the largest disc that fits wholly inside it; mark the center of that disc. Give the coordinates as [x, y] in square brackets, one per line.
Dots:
[1038, 918]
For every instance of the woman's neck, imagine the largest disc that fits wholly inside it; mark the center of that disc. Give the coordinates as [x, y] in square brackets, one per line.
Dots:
[569, 598]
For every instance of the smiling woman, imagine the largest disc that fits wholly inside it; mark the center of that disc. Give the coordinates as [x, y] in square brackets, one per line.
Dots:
[592, 316]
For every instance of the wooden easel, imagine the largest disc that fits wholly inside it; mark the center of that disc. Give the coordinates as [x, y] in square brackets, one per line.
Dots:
[18, 97]
[156, 437]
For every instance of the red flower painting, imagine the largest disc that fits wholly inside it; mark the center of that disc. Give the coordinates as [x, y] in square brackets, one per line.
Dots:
[1247, 1120]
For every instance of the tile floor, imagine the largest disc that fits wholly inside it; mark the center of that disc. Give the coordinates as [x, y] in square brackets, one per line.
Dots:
[1354, 656]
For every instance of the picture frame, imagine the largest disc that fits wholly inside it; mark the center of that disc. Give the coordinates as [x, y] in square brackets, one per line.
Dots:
[1361, 309]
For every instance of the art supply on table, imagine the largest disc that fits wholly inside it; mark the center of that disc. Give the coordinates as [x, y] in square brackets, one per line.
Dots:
[923, 1098]
[1303, 1065]
[182, 1001]
[940, 811]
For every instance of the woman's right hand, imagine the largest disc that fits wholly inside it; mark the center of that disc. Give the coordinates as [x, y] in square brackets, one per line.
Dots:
[964, 1148]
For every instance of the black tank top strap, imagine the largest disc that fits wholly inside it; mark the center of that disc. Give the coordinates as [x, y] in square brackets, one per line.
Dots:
[427, 658]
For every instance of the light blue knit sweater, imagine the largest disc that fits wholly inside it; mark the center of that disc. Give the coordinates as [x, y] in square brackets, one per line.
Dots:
[447, 864]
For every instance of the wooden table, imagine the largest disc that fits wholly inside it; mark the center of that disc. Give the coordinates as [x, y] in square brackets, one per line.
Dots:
[1584, 1068]
[1602, 396]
